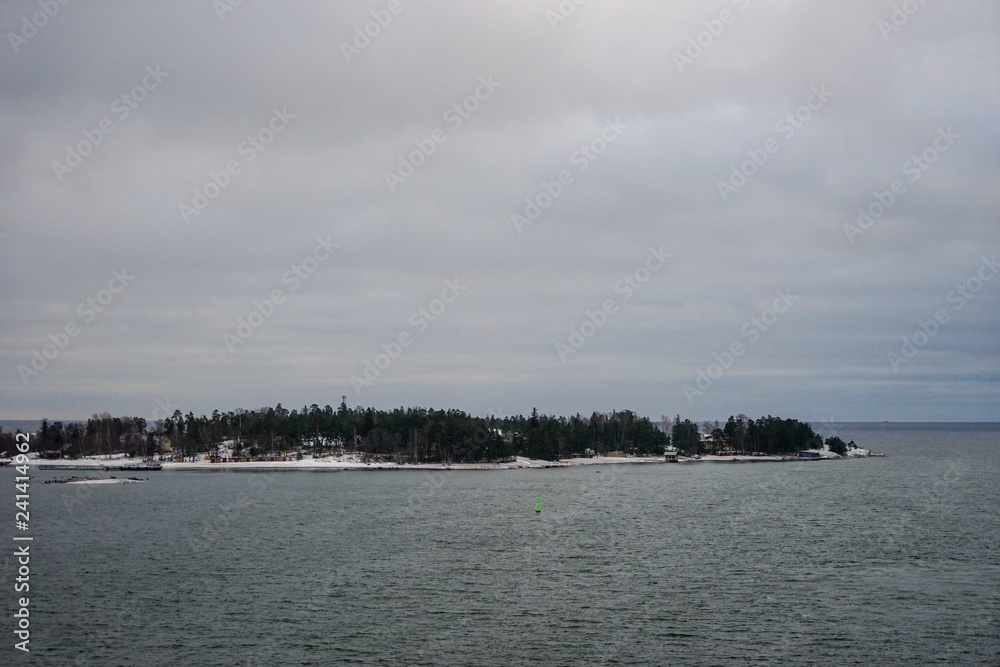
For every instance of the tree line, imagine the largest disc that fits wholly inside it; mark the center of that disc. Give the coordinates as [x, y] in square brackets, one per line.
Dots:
[742, 435]
[412, 435]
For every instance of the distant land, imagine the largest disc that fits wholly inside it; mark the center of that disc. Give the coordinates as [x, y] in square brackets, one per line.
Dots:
[343, 438]
[32, 425]
[27, 425]
[416, 435]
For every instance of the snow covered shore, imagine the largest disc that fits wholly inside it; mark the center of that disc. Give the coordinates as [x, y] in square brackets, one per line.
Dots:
[104, 480]
[353, 462]
[339, 463]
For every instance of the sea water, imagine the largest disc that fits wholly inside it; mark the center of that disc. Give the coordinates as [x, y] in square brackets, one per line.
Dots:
[874, 561]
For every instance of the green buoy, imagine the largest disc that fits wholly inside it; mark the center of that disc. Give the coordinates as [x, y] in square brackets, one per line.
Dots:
[538, 505]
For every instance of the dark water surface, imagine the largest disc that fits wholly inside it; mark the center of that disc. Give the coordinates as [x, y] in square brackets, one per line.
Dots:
[876, 561]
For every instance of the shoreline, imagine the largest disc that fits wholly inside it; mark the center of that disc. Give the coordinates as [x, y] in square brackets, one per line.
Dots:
[342, 464]
[333, 464]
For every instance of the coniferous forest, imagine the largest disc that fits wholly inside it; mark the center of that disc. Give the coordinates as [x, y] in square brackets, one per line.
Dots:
[413, 435]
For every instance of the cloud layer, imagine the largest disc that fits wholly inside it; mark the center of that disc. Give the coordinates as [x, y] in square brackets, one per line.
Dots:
[531, 152]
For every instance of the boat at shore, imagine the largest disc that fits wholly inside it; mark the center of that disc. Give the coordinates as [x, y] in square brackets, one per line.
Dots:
[137, 466]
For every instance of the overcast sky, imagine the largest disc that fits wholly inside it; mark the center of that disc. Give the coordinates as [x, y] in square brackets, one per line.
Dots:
[165, 167]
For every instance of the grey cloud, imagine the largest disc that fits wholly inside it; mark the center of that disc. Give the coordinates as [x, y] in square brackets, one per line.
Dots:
[495, 345]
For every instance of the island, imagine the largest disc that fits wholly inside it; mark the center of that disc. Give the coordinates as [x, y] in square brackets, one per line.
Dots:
[346, 438]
